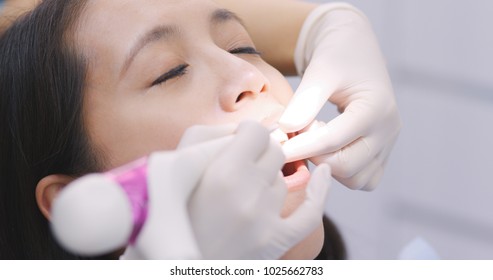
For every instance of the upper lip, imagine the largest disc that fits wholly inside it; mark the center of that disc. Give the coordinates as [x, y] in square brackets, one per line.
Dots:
[270, 121]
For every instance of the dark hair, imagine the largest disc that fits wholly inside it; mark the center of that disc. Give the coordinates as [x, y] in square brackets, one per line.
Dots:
[41, 124]
[333, 247]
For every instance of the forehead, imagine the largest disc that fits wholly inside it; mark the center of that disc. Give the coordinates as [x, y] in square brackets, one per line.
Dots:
[108, 28]
[121, 15]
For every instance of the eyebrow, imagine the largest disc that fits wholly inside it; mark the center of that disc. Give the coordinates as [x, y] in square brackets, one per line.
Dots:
[165, 32]
[223, 15]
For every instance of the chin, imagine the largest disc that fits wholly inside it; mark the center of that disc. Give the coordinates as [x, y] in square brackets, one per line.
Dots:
[308, 248]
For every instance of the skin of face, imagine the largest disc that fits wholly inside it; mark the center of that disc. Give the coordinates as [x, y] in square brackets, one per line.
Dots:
[210, 71]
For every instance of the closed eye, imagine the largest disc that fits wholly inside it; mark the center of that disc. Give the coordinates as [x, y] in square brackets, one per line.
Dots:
[178, 71]
[244, 50]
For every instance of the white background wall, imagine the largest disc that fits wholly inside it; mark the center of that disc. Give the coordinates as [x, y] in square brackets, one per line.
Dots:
[438, 181]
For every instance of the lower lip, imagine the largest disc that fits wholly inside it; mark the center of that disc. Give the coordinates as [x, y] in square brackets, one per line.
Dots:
[298, 177]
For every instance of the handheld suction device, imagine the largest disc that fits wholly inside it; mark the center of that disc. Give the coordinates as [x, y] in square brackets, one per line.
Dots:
[100, 213]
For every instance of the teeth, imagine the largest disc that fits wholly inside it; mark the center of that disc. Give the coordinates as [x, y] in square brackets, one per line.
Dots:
[279, 136]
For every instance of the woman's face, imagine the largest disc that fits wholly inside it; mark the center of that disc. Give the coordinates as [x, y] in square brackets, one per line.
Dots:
[158, 67]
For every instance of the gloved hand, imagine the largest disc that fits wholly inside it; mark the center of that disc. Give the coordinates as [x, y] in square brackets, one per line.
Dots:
[340, 60]
[235, 211]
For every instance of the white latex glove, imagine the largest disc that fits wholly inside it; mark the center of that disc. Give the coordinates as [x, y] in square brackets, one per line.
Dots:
[236, 209]
[340, 60]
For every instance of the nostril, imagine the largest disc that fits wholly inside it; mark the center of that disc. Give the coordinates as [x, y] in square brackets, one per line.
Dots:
[264, 88]
[240, 97]
[251, 93]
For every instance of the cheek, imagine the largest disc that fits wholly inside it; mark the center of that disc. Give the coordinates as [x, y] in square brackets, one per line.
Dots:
[281, 89]
[308, 248]
[126, 130]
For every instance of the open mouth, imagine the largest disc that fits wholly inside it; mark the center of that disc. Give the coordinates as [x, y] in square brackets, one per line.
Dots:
[296, 173]
[290, 168]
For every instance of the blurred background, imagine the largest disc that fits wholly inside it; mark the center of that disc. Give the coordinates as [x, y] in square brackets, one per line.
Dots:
[437, 184]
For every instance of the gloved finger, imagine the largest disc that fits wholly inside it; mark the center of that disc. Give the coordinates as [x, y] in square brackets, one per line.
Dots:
[312, 94]
[336, 134]
[383, 157]
[308, 216]
[249, 143]
[185, 167]
[159, 240]
[172, 176]
[354, 157]
[313, 126]
[372, 184]
[360, 179]
[202, 133]
[271, 162]
[273, 197]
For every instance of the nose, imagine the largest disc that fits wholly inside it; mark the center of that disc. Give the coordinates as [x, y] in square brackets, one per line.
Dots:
[240, 83]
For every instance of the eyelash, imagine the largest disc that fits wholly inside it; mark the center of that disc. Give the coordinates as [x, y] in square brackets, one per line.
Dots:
[181, 70]
[178, 71]
[244, 50]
